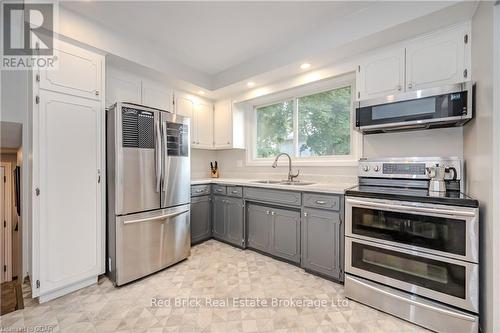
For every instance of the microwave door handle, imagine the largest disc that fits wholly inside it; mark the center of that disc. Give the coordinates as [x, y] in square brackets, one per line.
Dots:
[158, 146]
[411, 209]
[165, 162]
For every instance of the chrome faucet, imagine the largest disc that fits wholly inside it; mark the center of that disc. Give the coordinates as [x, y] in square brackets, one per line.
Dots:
[291, 176]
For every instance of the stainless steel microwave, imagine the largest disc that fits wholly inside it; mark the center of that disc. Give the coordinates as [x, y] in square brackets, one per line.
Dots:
[420, 109]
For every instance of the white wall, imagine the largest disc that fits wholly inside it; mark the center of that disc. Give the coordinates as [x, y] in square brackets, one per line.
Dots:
[478, 149]
[232, 164]
[435, 142]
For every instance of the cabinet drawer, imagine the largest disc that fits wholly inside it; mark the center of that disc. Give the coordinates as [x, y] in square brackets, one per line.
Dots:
[235, 191]
[219, 189]
[273, 196]
[321, 201]
[197, 190]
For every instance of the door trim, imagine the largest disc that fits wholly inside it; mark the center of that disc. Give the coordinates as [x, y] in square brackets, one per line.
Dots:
[7, 234]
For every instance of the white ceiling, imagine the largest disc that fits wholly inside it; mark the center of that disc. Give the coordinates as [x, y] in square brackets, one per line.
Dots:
[214, 36]
[219, 46]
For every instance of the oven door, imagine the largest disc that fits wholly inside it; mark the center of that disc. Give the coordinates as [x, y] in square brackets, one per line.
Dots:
[446, 280]
[448, 231]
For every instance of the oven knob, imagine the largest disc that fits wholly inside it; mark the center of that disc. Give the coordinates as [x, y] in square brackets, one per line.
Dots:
[366, 168]
[376, 168]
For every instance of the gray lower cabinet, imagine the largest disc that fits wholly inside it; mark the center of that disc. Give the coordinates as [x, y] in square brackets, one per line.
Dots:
[274, 231]
[228, 219]
[259, 227]
[219, 220]
[285, 234]
[322, 242]
[201, 228]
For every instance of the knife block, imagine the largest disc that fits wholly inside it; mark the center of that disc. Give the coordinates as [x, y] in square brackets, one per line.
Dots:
[214, 173]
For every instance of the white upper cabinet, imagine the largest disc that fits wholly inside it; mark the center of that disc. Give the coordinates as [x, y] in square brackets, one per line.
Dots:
[434, 60]
[157, 96]
[79, 72]
[381, 74]
[438, 60]
[203, 124]
[229, 127]
[68, 167]
[121, 87]
[201, 114]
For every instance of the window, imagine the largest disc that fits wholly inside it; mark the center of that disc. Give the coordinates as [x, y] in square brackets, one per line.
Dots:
[311, 128]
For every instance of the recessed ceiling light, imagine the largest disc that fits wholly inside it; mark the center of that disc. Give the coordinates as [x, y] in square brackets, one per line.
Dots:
[305, 65]
[250, 84]
[201, 92]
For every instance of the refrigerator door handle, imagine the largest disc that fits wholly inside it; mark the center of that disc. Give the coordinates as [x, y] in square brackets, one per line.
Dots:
[165, 170]
[157, 217]
[158, 146]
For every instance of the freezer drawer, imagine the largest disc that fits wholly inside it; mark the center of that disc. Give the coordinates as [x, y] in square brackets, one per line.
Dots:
[148, 242]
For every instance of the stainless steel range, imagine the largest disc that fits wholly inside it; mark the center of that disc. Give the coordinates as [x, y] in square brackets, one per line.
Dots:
[412, 252]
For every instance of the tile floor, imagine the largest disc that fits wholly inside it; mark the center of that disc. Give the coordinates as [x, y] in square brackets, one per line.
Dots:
[215, 272]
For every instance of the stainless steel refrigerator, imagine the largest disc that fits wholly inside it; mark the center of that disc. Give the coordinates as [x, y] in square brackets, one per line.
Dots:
[148, 190]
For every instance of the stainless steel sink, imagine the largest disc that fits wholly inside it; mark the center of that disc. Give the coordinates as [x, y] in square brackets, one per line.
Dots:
[296, 183]
[268, 181]
[282, 182]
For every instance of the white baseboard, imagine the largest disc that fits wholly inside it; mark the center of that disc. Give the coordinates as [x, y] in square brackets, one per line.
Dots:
[66, 290]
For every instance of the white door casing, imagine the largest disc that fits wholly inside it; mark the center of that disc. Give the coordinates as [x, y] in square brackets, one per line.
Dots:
[6, 221]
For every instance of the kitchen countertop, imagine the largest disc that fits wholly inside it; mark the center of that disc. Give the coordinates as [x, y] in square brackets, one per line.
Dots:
[330, 188]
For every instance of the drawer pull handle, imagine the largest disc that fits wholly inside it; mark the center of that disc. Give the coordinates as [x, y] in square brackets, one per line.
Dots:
[234, 192]
[199, 191]
[320, 202]
[219, 190]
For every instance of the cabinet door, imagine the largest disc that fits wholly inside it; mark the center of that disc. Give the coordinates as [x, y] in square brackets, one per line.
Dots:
[185, 107]
[219, 217]
[235, 221]
[156, 96]
[437, 60]
[122, 88]
[285, 234]
[259, 227]
[201, 212]
[79, 72]
[321, 242]
[381, 74]
[203, 125]
[223, 125]
[68, 211]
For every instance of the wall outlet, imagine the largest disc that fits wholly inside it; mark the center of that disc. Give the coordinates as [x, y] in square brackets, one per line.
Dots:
[239, 163]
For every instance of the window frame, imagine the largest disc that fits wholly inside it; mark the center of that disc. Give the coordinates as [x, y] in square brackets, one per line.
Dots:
[294, 95]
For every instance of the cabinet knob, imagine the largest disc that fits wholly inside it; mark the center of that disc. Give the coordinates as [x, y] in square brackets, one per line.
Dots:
[305, 214]
[399, 87]
[97, 92]
[229, 142]
[273, 213]
[410, 85]
[268, 212]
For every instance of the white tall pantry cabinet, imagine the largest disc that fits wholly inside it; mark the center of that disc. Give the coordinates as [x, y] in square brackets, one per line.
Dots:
[68, 173]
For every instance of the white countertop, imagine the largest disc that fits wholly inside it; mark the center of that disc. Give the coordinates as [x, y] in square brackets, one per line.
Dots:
[332, 188]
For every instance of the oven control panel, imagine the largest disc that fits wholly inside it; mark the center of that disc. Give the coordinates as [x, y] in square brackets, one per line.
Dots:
[407, 168]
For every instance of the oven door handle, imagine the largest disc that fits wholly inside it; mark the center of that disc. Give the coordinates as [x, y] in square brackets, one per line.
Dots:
[411, 209]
